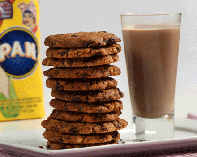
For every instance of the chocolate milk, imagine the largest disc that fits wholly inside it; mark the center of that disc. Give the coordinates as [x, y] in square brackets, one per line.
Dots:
[151, 57]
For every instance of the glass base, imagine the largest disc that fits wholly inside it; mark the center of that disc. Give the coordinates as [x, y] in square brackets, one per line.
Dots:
[146, 129]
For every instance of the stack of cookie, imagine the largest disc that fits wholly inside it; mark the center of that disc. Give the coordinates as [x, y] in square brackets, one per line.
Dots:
[86, 104]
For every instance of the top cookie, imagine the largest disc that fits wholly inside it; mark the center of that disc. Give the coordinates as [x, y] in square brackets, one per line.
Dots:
[81, 39]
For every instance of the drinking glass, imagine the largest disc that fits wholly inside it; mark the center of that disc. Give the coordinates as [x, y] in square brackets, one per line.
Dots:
[151, 45]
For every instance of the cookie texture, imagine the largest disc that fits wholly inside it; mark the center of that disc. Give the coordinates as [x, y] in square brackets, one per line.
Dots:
[57, 145]
[87, 107]
[81, 39]
[86, 101]
[81, 62]
[80, 139]
[88, 96]
[83, 128]
[82, 52]
[84, 117]
[83, 72]
[81, 84]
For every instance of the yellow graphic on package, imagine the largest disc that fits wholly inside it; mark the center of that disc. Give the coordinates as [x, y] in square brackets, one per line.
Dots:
[21, 90]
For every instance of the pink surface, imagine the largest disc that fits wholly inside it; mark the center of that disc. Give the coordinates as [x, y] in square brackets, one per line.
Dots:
[3, 154]
[155, 153]
[191, 116]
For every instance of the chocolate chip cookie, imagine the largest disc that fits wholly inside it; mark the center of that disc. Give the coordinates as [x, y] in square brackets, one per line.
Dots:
[84, 117]
[81, 62]
[81, 39]
[57, 145]
[82, 52]
[83, 72]
[87, 107]
[80, 139]
[88, 96]
[83, 128]
[81, 84]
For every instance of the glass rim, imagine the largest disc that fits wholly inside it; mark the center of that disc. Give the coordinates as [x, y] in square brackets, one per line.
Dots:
[150, 14]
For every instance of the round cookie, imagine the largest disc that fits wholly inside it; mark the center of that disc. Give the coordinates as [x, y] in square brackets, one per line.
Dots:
[81, 84]
[82, 52]
[83, 128]
[84, 117]
[81, 62]
[83, 72]
[57, 145]
[87, 107]
[80, 139]
[88, 96]
[81, 39]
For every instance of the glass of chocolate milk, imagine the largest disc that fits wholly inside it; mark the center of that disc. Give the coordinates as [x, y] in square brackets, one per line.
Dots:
[151, 45]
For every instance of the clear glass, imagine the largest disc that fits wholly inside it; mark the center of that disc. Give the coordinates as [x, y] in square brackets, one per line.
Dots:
[151, 45]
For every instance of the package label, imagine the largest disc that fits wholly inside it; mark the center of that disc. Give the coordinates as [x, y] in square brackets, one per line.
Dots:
[21, 88]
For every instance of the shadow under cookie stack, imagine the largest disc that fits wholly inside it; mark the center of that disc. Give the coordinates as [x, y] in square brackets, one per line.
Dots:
[86, 100]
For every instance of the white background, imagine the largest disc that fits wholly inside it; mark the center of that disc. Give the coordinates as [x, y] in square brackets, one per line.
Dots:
[68, 16]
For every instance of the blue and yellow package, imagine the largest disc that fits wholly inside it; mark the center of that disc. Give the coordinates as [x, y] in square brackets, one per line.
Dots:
[21, 86]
